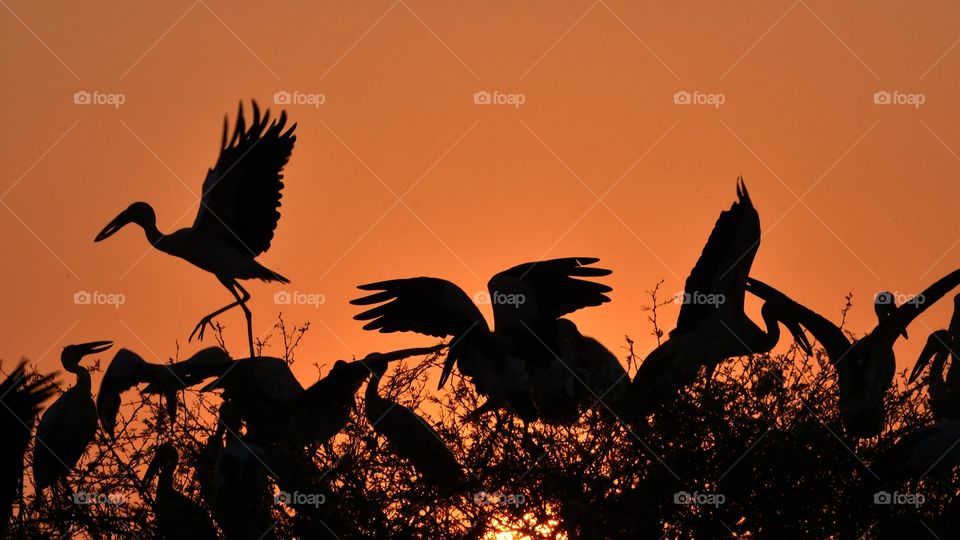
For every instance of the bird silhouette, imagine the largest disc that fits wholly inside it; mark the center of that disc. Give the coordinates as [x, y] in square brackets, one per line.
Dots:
[944, 391]
[519, 365]
[410, 436]
[70, 423]
[237, 215]
[931, 451]
[866, 366]
[127, 369]
[178, 517]
[21, 396]
[712, 325]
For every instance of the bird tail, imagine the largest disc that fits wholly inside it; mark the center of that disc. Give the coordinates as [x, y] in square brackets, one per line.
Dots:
[265, 274]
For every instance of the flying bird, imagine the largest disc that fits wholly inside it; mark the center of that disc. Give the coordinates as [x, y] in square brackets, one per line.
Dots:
[21, 396]
[410, 436]
[527, 363]
[178, 517]
[237, 215]
[865, 367]
[69, 425]
[712, 325]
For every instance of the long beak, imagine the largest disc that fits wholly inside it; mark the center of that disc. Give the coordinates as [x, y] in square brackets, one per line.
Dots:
[112, 227]
[171, 403]
[933, 346]
[152, 470]
[93, 347]
[799, 336]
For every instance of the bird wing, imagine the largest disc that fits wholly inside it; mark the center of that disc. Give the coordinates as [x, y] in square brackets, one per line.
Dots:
[430, 306]
[832, 338]
[725, 262]
[546, 290]
[937, 343]
[241, 193]
[894, 325]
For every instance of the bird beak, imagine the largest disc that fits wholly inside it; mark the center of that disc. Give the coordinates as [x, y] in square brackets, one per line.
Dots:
[929, 351]
[799, 336]
[114, 226]
[152, 470]
[171, 403]
[93, 347]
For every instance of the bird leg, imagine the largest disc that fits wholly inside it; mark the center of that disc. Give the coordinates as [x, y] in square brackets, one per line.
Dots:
[231, 286]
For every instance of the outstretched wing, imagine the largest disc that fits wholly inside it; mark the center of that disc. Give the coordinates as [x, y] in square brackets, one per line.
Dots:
[241, 193]
[725, 262]
[546, 290]
[425, 305]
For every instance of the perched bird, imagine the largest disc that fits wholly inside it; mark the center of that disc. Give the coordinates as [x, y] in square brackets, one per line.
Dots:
[128, 369]
[942, 345]
[712, 325]
[885, 305]
[70, 423]
[178, 517]
[238, 211]
[531, 362]
[21, 396]
[932, 451]
[865, 367]
[410, 436]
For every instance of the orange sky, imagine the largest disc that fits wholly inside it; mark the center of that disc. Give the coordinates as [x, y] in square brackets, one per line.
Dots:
[853, 196]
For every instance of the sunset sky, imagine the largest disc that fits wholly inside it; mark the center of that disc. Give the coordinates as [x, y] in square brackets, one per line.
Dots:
[399, 173]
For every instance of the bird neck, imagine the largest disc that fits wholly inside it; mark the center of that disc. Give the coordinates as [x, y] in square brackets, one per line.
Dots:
[373, 387]
[83, 377]
[150, 230]
[772, 321]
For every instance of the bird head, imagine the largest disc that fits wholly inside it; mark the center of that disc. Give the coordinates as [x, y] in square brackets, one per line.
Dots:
[166, 456]
[72, 354]
[140, 213]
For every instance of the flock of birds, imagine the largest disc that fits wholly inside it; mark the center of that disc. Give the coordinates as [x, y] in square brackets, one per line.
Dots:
[533, 362]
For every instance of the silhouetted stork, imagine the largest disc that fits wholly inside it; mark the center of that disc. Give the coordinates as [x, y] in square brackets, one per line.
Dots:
[410, 436]
[178, 517]
[21, 395]
[944, 391]
[884, 305]
[932, 451]
[712, 325]
[237, 215]
[524, 363]
[70, 423]
[865, 367]
[128, 369]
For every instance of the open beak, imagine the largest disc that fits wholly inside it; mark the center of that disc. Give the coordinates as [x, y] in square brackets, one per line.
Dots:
[93, 347]
[935, 344]
[799, 336]
[112, 227]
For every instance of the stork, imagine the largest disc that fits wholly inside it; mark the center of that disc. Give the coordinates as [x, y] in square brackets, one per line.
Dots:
[865, 367]
[944, 390]
[529, 362]
[410, 436]
[21, 396]
[178, 517]
[128, 369]
[712, 325]
[237, 215]
[70, 423]
[932, 451]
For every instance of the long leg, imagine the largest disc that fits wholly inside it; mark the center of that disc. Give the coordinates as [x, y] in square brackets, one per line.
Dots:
[204, 322]
[246, 313]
